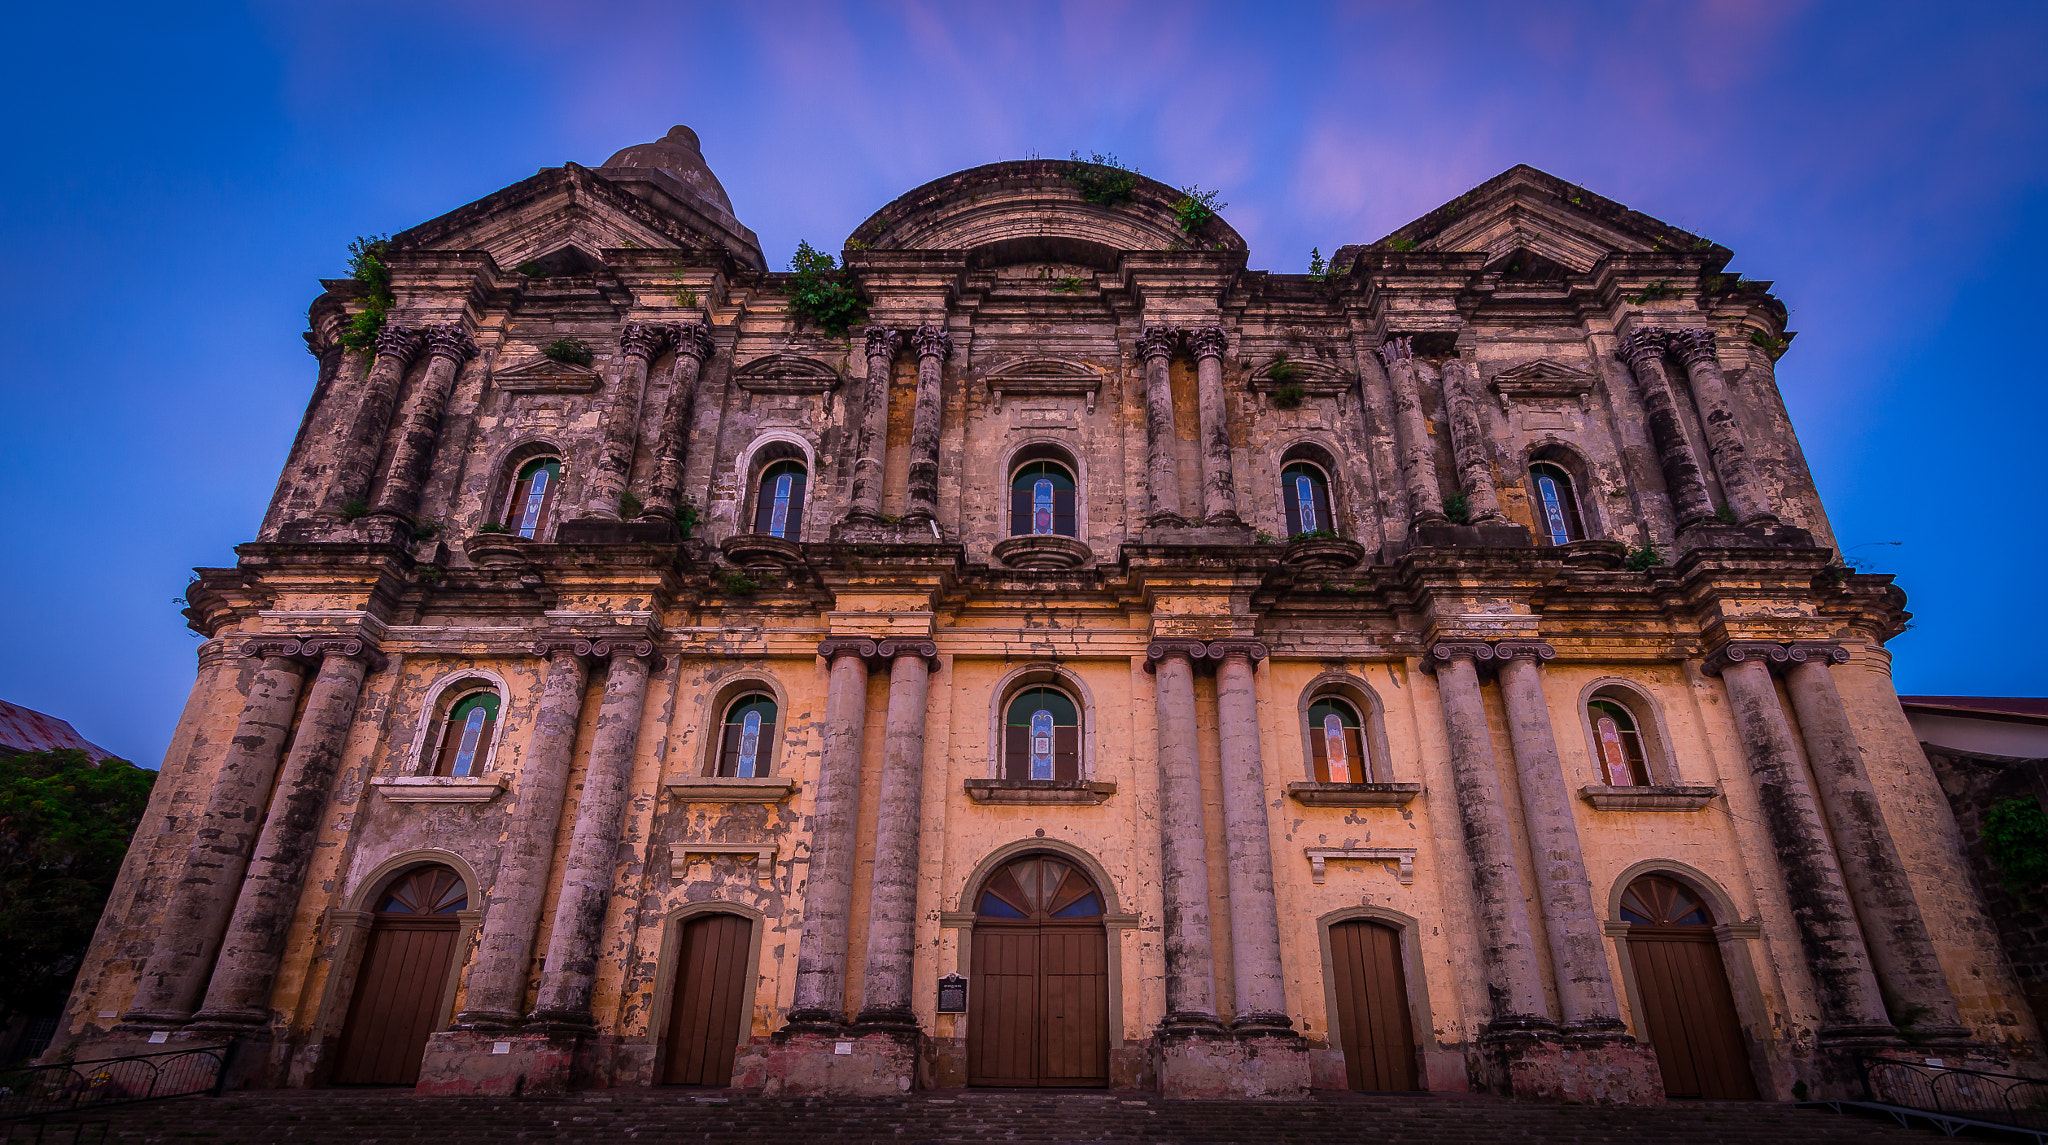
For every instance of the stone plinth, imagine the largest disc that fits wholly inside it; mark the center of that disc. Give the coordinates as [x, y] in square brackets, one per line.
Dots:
[878, 1064]
[1554, 1069]
[1252, 1068]
[480, 1063]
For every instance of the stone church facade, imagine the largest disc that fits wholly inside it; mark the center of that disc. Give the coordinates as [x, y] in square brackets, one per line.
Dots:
[1102, 665]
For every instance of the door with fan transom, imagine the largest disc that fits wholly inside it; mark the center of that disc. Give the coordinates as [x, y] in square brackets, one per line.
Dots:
[401, 991]
[1038, 995]
[1688, 1009]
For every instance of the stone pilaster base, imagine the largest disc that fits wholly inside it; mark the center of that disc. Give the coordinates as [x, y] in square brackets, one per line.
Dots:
[1592, 1071]
[854, 1064]
[496, 1063]
[1219, 1065]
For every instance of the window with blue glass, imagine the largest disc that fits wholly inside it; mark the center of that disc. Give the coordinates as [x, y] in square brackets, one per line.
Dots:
[779, 504]
[747, 746]
[467, 734]
[1042, 736]
[1042, 501]
[534, 492]
[1305, 491]
[1557, 509]
[1039, 888]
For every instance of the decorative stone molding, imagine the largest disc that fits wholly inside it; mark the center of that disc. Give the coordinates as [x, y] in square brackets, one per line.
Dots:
[1043, 378]
[1322, 553]
[730, 789]
[760, 550]
[1736, 652]
[882, 342]
[859, 646]
[496, 550]
[890, 649]
[1249, 649]
[1692, 345]
[1397, 350]
[931, 342]
[1157, 342]
[1038, 551]
[1316, 379]
[1312, 794]
[544, 375]
[1208, 342]
[786, 374]
[1537, 650]
[573, 645]
[637, 647]
[1675, 797]
[401, 342]
[762, 855]
[348, 647]
[1473, 650]
[1542, 380]
[1010, 792]
[1159, 650]
[452, 342]
[693, 340]
[646, 340]
[439, 788]
[265, 647]
[1400, 859]
[1804, 650]
[1642, 344]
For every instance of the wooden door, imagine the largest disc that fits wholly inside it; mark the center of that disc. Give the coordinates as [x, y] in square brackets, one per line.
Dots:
[1038, 1001]
[403, 982]
[1688, 1010]
[1372, 1006]
[708, 1012]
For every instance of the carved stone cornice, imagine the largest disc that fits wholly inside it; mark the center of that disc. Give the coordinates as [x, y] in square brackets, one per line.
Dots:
[1537, 650]
[931, 342]
[1397, 350]
[1772, 656]
[452, 342]
[400, 342]
[836, 646]
[693, 340]
[1692, 346]
[646, 340]
[1158, 650]
[1249, 649]
[1208, 342]
[1808, 651]
[1157, 342]
[1643, 344]
[1439, 654]
[883, 342]
[923, 649]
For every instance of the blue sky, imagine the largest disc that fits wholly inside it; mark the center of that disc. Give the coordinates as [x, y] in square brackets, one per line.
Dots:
[177, 180]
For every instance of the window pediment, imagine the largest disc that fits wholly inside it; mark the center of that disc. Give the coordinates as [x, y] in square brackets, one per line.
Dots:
[786, 374]
[1314, 377]
[1541, 380]
[544, 375]
[1043, 377]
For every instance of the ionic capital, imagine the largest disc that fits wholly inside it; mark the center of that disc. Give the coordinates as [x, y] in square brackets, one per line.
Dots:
[452, 342]
[1190, 650]
[931, 342]
[321, 648]
[271, 647]
[1693, 346]
[922, 649]
[1208, 342]
[1450, 651]
[1538, 650]
[622, 647]
[1397, 350]
[562, 646]
[838, 646]
[1643, 344]
[646, 340]
[1251, 650]
[1157, 342]
[693, 340]
[1742, 652]
[1816, 652]
[400, 342]
[883, 342]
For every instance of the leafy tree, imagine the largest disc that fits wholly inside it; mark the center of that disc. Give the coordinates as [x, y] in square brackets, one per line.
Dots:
[65, 822]
[822, 294]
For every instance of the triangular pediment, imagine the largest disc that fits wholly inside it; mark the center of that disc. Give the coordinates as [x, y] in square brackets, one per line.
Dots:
[1540, 380]
[1043, 377]
[786, 374]
[544, 375]
[1312, 375]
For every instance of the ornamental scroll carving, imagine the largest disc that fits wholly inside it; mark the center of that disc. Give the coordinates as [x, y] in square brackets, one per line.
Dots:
[890, 649]
[1806, 651]
[646, 340]
[1157, 342]
[1693, 346]
[1643, 344]
[574, 646]
[452, 342]
[400, 342]
[1440, 654]
[1537, 650]
[1397, 350]
[1208, 342]
[636, 647]
[1772, 656]
[693, 340]
[1249, 649]
[882, 342]
[1159, 650]
[311, 649]
[931, 342]
[859, 646]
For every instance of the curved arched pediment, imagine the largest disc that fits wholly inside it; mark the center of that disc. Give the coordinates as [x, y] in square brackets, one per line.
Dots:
[1043, 377]
[1313, 376]
[1030, 211]
[786, 374]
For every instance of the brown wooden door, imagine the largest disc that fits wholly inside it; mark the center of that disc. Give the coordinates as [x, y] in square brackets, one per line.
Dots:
[1372, 1006]
[1688, 1010]
[403, 982]
[1038, 1001]
[708, 1011]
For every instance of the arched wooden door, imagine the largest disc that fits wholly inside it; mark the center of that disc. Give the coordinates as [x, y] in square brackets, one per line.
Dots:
[1688, 1010]
[1372, 1006]
[708, 1011]
[403, 981]
[1038, 998]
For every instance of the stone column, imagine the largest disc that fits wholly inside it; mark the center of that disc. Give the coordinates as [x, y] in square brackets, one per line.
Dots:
[239, 994]
[932, 345]
[1184, 859]
[1469, 441]
[1506, 942]
[1643, 350]
[1418, 460]
[693, 349]
[640, 343]
[1578, 952]
[872, 445]
[1261, 992]
[828, 889]
[1219, 485]
[362, 438]
[190, 931]
[1162, 469]
[1902, 953]
[504, 950]
[892, 898]
[448, 347]
[1851, 1003]
[1739, 481]
[565, 984]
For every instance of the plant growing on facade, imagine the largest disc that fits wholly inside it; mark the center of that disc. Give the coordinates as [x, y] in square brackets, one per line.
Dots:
[1070, 284]
[1102, 179]
[1641, 560]
[1289, 395]
[629, 505]
[429, 575]
[352, 510]
[574, 351]
[1773, 346]
[686, 519]
[1458, 508]
[366, 265]
[1195, 209]
[821, 294]
[2015, 835]
[492, 527]
[739, 584]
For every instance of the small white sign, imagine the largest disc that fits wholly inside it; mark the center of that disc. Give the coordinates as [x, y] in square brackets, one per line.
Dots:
[160, 1037]
[501, 1047]
[842, 1047]
[109, 1014]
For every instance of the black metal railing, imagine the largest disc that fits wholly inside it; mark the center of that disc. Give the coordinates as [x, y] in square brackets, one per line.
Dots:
[1978, 1095]
[45, 1090]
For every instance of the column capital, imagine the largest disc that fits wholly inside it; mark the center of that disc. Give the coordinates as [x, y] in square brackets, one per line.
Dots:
[1397, 350]
[343, 647]
[270, 646]
[1158, 650]
[1537, 650]
[693, 340]
[1251, 650]
[1772, 656]
[1476, 651]
[623, 647]
[646, 340]
[1157, 342]
[838, 646]
[1692, 346]
[1816, 652]
[400, 342]
[1644, 343]
[1208, 342]
[452, 342]
[923, 649]
[883, 342]
[548, 649]
[931, 342]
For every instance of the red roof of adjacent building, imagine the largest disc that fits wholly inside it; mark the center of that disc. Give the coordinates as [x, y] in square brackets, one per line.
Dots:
[1991, 707]
[25, 729]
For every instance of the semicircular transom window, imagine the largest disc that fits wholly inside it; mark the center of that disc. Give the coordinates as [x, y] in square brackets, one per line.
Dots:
[749, 737]
[1042, 736]
[533, 496]
[426, 890]
[1622, 760]
[779, 503]
[1557, 510]
[1337, 742]
[1654, 900]
[1039, 888]
[1042, 501]
[1306, 493]
[467, 735]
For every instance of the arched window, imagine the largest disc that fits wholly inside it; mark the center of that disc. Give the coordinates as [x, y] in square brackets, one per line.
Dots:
[1042, 500]
[779, 503]
[1623, 763]
[467, 735]
[531, 507]
[1306, 493]
[748, 745]
[1337, 742]
[1042, 736]
[1557, 509]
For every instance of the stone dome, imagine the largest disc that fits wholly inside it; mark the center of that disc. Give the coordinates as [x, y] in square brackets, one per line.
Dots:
[679, 154]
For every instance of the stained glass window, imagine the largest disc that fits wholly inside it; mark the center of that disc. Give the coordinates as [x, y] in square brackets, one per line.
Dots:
[1042, 500]
[1557, 511]
[779, 504]
[1039, 887]
[748, 736]
[1306, 494]
[533, 496]
[1337, 742]
[1042, 736]
[1620, 743]
[467, 733]
[1654, 900]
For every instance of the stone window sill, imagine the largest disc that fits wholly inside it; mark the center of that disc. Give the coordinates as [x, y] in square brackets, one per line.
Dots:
[1353, 794]
[1684, 797]
[725, 789]
[440, 788]
[1015, 791]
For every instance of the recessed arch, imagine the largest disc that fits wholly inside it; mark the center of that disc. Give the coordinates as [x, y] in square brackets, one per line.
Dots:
[1042, 447]
[1659, 762]
[1320, 459]
[1580, 511]
[771, 447]
[672, 972]
[505, 478]
[721, 694]
[1089, 865]
[1033, 674]
[1361, 697]
[1689, 1008]
[442, 694]
[1422, 1029]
